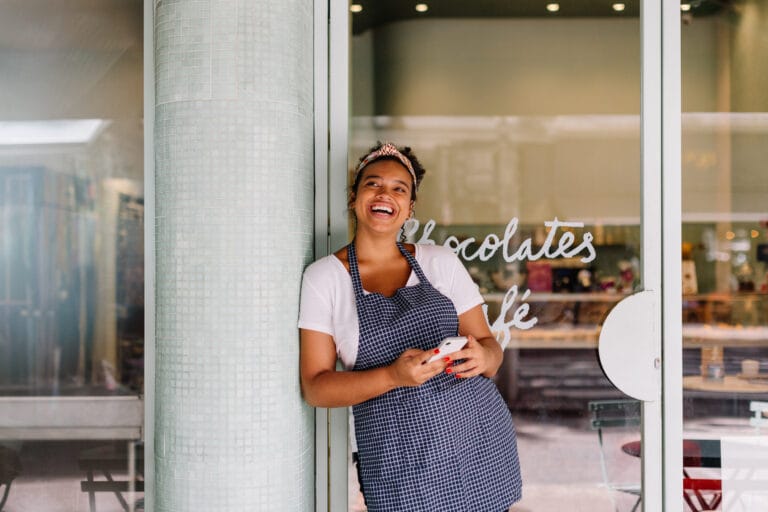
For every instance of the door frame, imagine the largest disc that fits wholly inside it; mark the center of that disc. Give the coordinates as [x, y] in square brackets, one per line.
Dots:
[660, 226]
[671, 264]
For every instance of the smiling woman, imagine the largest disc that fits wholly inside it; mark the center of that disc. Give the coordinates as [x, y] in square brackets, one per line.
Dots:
[429, 434]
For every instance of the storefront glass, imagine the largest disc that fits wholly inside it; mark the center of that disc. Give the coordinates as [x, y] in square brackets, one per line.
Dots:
[71, 255]
[725, 250]
[526, 118]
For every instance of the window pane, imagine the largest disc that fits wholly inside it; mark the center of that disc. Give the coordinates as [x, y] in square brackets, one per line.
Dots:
[527, 122]
[71, 253]
[725, 250]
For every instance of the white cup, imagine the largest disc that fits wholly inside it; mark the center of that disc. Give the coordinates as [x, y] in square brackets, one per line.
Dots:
[750, 368]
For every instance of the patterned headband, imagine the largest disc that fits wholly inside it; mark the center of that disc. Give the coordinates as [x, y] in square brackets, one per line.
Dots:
[388, 149]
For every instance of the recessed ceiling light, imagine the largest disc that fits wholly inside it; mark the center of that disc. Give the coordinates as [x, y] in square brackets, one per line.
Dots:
[685, 7]
[355, 7]
[421, 7]
[754, 233]
[618, 7]
[553, 7]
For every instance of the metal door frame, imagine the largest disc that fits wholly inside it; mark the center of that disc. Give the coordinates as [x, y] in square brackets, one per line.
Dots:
[660, 226]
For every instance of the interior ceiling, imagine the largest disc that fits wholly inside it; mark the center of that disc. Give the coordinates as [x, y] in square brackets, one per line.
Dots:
[70, 59]
[376, 13]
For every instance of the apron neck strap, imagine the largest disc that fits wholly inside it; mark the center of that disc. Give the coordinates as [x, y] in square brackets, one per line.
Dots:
[354, 269]
[414, 264]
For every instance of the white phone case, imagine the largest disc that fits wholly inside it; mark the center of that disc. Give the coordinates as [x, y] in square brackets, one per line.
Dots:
[449, 346]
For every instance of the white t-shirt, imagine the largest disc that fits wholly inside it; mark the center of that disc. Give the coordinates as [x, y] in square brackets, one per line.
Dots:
[328, 299]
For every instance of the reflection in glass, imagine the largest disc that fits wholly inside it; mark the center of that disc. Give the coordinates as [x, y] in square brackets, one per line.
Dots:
[725, 235]
[71, 254]
[528, 126]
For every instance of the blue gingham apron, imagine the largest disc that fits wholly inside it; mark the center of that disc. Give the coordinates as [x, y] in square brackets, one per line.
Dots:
[448, 445]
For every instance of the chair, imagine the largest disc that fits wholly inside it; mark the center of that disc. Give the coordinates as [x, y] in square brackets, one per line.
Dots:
[106, 460]
[760, 417]
[10, 468]
[701, 494]
[606, 414]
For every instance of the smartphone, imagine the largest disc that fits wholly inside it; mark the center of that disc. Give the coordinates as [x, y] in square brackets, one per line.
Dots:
[448, 346]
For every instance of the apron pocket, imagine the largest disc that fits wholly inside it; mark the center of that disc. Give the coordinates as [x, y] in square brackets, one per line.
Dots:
[419, 427]
[376, 433]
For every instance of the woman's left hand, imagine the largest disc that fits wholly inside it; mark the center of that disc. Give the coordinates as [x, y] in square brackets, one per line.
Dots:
[478, 359]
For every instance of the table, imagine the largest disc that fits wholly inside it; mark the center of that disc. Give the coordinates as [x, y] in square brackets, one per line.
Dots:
[568, 336]
[729, 384]
[697, 453]
[106, 417]
[745, 473]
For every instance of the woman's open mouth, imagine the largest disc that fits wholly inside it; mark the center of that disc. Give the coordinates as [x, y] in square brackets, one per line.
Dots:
[382, 210]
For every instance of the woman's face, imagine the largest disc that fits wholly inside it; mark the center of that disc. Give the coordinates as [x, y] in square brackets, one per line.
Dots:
[382, 201]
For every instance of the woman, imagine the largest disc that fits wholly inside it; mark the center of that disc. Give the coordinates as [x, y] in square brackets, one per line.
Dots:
[430, 436]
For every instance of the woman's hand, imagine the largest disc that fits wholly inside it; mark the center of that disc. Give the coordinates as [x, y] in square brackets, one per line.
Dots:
[478, 359]
[482, 352]
[323, 386]
[411, 368]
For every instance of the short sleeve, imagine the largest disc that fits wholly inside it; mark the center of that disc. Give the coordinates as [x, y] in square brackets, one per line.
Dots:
[464, 292]
[447, 273]
[315, 308]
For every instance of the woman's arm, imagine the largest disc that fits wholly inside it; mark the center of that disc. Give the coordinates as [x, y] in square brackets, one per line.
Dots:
[324, 386]
[482, 353]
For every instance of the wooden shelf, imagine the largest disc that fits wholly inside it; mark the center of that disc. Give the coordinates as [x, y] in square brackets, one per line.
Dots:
[560, 297]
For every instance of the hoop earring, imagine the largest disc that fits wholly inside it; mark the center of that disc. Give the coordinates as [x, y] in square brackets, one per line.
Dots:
[408, 227]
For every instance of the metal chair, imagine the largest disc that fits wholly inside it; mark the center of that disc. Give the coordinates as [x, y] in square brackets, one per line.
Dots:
[760, 417]
[10, 468]
[106, 460]
[607, 414]
[701, 494]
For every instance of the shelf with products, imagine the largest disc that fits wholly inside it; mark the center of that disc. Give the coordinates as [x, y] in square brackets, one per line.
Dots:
[726, 308]
[554, 256]
[572, 321]
[562, 297]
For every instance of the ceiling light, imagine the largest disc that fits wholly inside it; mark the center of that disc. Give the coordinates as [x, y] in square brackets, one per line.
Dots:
[355, 8]
[618, 7]
[754, 233]
[421, 7]
[553, 7]
[730, 235]
[69, 131]
[685, 7]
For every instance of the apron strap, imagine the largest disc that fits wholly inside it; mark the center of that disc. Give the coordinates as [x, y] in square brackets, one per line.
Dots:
[414, 264]
[354, 271]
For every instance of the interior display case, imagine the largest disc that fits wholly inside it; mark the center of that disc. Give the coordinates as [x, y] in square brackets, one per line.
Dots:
[62, 330]
[47, 279]
[570, 300]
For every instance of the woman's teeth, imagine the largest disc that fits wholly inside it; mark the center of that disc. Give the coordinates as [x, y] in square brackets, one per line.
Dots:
[382, 209]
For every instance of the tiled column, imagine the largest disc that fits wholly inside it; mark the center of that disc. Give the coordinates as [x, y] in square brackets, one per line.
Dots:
[234, 180]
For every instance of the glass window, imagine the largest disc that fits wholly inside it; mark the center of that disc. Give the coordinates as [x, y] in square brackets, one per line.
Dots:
[526, 118]
[725, 253]
[71, 255]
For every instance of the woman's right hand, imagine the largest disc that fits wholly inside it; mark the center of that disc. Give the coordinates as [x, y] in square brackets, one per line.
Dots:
[411, 368]
[325, 386]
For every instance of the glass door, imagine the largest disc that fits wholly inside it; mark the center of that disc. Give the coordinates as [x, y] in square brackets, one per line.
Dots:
[725, 255]
[527, 117]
